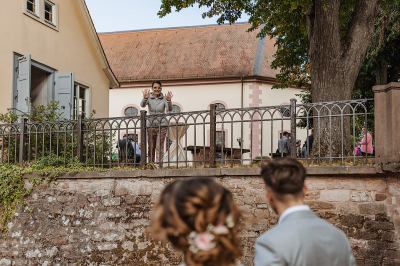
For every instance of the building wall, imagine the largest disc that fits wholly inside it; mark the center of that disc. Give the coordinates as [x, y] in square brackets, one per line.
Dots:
[67, 50]
[103, 220]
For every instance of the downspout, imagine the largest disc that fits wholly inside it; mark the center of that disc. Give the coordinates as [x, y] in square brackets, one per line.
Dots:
[242, 106]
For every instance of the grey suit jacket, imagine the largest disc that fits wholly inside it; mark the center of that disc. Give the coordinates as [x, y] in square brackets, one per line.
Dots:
[303, 239]
[284, 145]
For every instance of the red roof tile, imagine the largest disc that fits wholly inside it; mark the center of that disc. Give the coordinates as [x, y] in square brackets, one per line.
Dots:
[186, 53]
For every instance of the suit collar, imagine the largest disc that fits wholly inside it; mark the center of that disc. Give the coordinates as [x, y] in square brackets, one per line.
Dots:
[299, 215]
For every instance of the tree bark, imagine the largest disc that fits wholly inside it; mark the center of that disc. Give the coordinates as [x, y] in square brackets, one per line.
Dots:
[334, 63]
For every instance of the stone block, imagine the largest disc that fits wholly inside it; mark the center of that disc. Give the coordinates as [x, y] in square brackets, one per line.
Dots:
[352, 220]
[130, 199]
[376, 185]
[316, 183]
[5, 262]
[80, 200]
[261, 213]
[318, 205]
[360, 196]
[64, 198]
[112, 201]
[372, 208]
[379, 225]
[128, 245]
[346, 208]
[352, 184]
[380, 197]
[59, 241]
[107, 246]
[114, 236]
[133, 187]
[388, 236]
[107, 226]
[55, 208]
[312, 195]
[335, 195]
[394, 187]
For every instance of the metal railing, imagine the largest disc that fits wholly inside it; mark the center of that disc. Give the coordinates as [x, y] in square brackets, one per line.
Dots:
[237, 137]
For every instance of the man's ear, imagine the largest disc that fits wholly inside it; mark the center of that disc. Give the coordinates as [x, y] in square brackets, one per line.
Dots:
[269, 196]
[304, 190]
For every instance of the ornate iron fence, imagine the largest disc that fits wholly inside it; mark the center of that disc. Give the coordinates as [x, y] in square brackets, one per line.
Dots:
[238, 137]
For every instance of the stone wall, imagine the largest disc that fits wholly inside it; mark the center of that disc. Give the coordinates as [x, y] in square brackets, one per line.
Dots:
[101, 218]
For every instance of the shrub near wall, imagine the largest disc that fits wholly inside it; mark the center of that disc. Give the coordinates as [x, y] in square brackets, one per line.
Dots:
[101, 218]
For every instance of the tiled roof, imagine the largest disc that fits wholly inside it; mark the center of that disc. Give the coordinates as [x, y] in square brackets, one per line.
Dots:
[187, 53]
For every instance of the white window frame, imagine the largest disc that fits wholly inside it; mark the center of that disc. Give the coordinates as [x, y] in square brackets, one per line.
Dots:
[53, 13]
[78, 86]
[39, 14]
[37, 8]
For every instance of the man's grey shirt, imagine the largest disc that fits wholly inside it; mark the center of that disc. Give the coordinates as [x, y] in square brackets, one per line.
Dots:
[284, 145]
[157, 106]
[303, 239]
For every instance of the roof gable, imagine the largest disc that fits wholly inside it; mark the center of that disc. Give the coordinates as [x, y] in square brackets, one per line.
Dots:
[96, 43]
[187, 53]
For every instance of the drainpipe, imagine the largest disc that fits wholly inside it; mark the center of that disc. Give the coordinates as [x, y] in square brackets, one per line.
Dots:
[241, 106]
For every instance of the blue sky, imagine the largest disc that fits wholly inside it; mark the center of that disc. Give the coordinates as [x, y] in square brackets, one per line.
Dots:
[125, 15]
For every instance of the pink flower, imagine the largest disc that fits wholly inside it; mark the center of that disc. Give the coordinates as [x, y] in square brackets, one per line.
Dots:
[204, 241]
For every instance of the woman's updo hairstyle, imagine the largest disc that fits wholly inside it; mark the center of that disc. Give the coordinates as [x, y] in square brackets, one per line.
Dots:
[193, 206]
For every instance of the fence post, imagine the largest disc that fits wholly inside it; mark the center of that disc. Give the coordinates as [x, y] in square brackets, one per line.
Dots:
[143, 149]
[213, 130]
[293, 123]
[22, 141]
[79, 147]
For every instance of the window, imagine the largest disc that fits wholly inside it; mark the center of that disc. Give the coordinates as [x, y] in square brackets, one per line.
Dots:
[285, 111]
[80, 100]
[131, 111]
[220, 106]
[31, 7]
[49, 12]
[176, 109]
[43, 11]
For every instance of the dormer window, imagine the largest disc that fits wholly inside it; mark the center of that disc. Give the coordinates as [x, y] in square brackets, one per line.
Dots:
[32, 7]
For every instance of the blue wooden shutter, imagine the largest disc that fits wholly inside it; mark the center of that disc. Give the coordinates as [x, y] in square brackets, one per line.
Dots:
[23, 85]
[64, 89]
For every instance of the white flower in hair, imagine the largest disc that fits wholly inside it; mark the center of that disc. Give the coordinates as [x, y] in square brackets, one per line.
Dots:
[205, 241]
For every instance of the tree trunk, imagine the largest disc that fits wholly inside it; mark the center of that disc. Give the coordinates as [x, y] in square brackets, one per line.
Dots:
[334, 63]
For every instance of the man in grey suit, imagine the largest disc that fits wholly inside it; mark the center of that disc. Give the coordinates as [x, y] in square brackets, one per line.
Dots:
[300, 238]
[284, 143]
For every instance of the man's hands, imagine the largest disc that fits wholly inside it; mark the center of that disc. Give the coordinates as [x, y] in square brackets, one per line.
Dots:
[146, 93]
[169, 96]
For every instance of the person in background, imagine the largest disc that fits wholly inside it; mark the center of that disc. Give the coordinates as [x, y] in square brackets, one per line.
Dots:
[307, 147]
[284, 143]
[366, 143]
[157, 126]
[298, 148]
[136, 149]
[300, 238]
[199, 218]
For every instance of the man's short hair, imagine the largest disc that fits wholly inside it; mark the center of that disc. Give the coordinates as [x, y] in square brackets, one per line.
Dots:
[284, 175]
[285, 133]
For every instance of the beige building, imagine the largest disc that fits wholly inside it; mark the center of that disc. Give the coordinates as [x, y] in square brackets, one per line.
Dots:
[50, 51]
[216, 64]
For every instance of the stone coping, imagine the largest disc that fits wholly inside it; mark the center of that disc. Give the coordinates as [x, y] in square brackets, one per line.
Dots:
[356, 171]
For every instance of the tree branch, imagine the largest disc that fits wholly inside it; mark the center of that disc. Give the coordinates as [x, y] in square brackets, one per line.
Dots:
[361, 26]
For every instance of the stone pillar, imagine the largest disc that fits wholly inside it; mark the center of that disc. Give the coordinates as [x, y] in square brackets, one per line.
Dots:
[387, 122]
